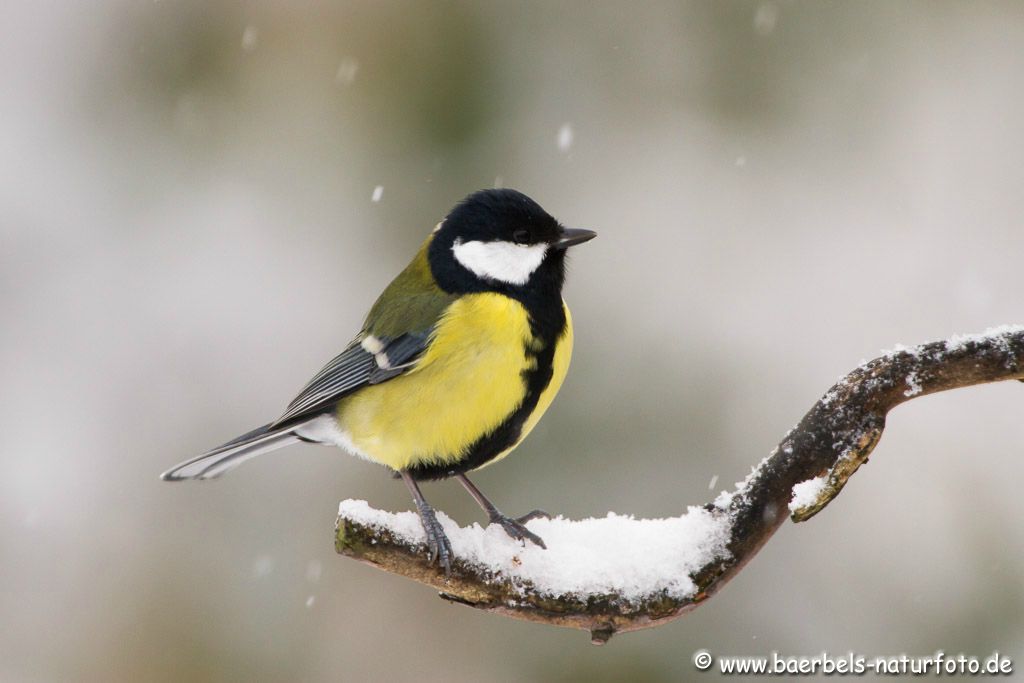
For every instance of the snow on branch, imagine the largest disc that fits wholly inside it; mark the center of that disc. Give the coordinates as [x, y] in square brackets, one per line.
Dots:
[617, 573]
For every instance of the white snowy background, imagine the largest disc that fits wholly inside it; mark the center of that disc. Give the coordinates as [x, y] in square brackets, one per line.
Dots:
[199, 200]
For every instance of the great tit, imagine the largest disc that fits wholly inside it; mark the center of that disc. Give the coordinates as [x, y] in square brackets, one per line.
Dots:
[457, 361]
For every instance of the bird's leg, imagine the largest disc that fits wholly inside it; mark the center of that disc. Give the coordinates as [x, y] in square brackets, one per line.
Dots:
[437, 543]
[514, 527]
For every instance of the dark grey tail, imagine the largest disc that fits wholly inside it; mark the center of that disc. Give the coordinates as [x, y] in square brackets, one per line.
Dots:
[223, 458]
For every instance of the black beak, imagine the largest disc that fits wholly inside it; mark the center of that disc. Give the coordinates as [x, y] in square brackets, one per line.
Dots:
[573, 236]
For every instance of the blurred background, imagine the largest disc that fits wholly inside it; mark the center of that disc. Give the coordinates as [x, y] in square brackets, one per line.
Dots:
[199, 201]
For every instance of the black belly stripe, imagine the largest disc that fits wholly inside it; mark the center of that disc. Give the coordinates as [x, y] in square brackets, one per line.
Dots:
[489, 446]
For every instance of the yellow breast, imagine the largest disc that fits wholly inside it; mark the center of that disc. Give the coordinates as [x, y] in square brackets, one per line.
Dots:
[468, 382]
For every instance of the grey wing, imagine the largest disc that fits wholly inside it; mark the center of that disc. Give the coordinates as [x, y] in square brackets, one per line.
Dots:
[353, 368]
[398, 356]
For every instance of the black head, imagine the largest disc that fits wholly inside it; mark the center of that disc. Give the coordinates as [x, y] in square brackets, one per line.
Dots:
[501, 240]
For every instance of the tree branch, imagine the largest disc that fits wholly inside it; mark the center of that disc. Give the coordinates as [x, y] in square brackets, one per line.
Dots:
[820, 454]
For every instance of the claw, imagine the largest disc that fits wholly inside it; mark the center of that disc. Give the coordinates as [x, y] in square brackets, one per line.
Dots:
[439, 548]
[513, 527]
[536, 514]
[516, 528]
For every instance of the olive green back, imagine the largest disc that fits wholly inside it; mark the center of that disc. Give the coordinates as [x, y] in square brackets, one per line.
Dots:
[411, 303]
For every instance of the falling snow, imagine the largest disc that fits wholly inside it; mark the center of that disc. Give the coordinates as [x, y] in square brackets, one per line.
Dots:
[250, 37]
[347, 70]
[262, 566]
[765, 18]
[565, 136]
[378, 194]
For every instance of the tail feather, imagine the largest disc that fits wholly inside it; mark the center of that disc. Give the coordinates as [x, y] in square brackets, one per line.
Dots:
[223, 458]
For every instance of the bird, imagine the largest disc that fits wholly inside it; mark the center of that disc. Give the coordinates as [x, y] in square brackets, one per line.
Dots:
[455, 364]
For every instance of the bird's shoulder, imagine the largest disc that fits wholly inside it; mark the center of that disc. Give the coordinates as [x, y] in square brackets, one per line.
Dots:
[393, 338]
[412, 303]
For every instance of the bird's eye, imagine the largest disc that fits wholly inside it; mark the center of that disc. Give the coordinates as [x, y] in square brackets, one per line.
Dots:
[521, 236]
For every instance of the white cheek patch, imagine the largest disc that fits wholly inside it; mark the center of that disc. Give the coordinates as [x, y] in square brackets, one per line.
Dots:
[503, 261]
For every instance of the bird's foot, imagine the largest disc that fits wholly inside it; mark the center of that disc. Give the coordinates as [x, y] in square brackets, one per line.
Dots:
[438, 546]
[516, 527]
